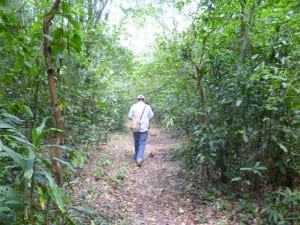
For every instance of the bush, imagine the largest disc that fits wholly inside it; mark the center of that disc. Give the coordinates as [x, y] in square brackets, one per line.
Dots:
[282, 208]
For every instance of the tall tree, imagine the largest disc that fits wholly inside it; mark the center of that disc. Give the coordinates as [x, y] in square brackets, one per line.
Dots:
[55, 151]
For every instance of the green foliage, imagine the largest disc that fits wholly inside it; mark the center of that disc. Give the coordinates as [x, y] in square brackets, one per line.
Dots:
[234, 75]
[230, 83]
[282, 207]
[90, 70]
[247, 212]
[11, 205]
[88, 64]
[28, 192]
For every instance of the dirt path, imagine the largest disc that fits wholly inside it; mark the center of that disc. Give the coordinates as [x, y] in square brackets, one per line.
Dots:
[154, 194]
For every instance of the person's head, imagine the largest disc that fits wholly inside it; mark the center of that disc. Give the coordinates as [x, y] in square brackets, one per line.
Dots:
[140, 98]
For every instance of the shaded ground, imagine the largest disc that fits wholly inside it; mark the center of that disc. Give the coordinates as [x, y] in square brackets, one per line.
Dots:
[154, 194]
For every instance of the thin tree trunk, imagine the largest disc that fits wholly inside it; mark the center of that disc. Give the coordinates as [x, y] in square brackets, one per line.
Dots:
[245, 32]
[90, 11]
[100, 11]
[55, 151]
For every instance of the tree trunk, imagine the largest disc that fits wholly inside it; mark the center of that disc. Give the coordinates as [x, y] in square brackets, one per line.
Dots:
[90, 12]
[55, 151]
[245, 31]
[100, 11]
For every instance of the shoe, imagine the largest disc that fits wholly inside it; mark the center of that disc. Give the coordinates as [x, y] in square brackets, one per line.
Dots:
[139, 163]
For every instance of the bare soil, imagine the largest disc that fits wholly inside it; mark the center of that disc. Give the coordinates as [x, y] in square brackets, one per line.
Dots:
[157, 193]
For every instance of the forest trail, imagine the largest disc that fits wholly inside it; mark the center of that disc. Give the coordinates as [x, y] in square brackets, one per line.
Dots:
[154, 194]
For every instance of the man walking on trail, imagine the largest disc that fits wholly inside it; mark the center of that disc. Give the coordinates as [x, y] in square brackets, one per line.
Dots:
[142, 112]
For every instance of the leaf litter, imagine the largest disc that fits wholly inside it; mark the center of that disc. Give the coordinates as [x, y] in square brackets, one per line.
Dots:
[120, 193]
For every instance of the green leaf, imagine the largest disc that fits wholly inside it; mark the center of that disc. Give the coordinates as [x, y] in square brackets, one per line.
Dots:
[76, 42]
[246, 169]
[82, 209]
[16, 157]
[38, 133]
[75, 23]
[22, 139]
[65, 7]
[283, 147]
[102, 104]
[28, 111]
[4, 125]
[58, 33]
[28, 169]
[4, 209]
[56, 130]
[7, 192]
[238, 102]
[66, 163]
[10, 198]
[12, 118]
[245, 137]
[56, 192]
[236, 179]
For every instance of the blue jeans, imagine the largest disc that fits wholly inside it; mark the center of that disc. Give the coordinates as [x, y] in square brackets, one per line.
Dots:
[140, 139]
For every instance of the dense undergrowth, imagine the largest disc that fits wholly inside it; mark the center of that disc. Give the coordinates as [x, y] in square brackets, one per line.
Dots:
[233, 90]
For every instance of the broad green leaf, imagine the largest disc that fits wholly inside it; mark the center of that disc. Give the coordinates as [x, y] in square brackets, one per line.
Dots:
[28, 169]
[4, 209]
[12, 118]
[76, 42]
[28, 111]
[56, 192]
[21, 139]
[4, 125]
[58, 33]
[65, 7]
[16, 157]
[38, 133]
[66, 163]
[75, 23]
